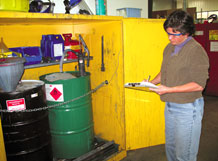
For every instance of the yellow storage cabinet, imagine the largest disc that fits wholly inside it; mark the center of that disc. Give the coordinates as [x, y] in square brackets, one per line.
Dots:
[132, 51]
[19, 29]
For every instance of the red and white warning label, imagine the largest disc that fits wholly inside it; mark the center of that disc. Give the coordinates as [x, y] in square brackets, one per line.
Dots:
[54, 92]
[16, 104]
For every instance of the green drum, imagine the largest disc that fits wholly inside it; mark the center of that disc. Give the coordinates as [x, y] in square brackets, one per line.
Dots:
[71, 124]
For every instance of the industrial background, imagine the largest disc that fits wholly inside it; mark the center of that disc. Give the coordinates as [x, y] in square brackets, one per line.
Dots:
[63, 67]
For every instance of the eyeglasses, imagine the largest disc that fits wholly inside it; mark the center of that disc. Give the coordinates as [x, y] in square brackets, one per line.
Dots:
[174, 34]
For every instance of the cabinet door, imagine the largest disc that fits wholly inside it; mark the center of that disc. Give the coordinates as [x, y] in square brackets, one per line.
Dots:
[144, 41]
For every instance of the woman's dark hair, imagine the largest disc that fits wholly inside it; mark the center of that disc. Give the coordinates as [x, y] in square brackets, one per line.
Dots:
[180, 21]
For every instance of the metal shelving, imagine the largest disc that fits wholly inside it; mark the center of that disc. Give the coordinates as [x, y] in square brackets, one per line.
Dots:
[52, 63]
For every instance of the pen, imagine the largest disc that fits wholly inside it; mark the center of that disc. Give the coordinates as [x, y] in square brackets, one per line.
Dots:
[148, 78]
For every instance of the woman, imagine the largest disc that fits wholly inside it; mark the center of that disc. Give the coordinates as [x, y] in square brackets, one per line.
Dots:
[183, 76]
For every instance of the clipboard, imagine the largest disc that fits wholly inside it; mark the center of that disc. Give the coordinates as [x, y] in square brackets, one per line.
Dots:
[140, 84]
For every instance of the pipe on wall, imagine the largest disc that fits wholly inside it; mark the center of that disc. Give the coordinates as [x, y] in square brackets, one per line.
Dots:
[150, 7]
[185, 5]
[174, 4]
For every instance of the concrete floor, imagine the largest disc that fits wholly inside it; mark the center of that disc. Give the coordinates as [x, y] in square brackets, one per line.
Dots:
[208, 150]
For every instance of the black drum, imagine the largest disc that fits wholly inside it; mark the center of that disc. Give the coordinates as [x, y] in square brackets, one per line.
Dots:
[26, 134]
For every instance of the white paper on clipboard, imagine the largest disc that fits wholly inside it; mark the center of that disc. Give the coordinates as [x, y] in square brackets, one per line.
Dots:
[141, 84]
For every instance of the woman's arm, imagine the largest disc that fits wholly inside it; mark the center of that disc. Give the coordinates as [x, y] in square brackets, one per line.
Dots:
[157, 79]
[189, 87]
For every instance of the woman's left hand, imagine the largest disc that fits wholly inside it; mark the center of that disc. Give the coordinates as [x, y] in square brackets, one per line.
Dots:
[161, 89]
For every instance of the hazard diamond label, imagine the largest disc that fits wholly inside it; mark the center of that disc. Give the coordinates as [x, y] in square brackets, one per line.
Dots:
[54, 92]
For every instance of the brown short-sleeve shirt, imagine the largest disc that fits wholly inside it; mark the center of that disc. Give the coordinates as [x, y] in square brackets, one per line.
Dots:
[190, 64]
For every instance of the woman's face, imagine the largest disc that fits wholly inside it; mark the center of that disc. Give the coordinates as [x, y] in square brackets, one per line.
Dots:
[175, 37]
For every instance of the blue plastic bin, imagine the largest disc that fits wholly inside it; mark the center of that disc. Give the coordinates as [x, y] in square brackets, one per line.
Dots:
[129, 12]
[33, 55]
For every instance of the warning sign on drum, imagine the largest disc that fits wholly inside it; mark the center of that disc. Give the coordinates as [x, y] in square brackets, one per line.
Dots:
[16, 104]
[54, 92]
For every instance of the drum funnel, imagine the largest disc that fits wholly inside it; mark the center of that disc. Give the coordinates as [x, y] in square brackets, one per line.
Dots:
[11, 71]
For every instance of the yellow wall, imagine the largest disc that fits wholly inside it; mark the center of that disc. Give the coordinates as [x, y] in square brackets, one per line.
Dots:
[144, 41]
